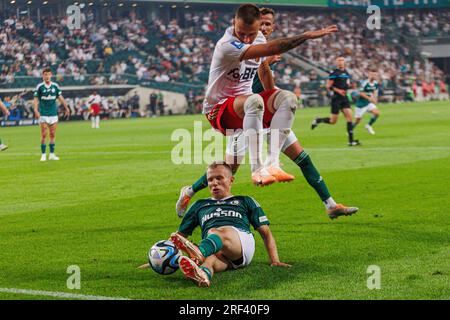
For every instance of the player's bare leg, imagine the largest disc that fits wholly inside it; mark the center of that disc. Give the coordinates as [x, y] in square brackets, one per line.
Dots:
[375, 114]
[43, 127]
[332, 119]
[218, 258]
[296, 153]
[282, 104]
[52, 129]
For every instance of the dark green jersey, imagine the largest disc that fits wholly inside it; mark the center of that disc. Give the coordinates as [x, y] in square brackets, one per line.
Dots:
[257, 86]
[368, 88]
[47, 95]
[236, 211]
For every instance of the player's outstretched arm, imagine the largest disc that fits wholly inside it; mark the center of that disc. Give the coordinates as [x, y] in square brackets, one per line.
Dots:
[271, 246]
[282, 45]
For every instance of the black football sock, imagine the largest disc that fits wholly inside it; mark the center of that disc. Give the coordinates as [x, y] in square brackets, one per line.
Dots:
[350, 131]
[323, 120]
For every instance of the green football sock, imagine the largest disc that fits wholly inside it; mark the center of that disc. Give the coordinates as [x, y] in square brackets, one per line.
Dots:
[210, 245]
[312, 175]
[372, 120]
[207, 271]
[200, 184]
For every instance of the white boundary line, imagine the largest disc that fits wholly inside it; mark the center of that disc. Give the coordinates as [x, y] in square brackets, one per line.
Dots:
[58, 294]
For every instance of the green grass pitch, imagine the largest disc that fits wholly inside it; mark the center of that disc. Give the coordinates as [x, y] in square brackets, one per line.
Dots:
[113, 193]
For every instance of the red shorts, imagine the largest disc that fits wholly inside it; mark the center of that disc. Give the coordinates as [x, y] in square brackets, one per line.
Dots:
[223, 117]
[95, 109]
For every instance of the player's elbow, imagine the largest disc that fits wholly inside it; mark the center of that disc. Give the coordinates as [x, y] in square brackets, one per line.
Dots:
[265, 233]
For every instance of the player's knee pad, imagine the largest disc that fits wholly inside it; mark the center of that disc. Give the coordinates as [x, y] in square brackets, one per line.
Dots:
[254, 104]
[286, 99]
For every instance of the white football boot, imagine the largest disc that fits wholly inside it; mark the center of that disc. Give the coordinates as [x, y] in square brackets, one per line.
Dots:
[370, 129]
[53, 157]
[44, 157]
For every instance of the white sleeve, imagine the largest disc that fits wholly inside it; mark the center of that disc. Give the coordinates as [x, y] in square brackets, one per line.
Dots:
[231, 51]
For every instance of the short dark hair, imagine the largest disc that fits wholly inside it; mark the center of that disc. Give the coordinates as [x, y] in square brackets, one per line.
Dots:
[249, 13]
[47, 69]
[265, 11]
[216, 164]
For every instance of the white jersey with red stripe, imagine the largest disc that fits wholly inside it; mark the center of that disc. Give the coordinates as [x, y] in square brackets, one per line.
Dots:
[229, 77]
[94, 99]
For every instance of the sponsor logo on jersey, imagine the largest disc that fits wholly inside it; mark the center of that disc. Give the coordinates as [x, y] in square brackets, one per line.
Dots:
[238, 45]
[48, 97]
[221, 213]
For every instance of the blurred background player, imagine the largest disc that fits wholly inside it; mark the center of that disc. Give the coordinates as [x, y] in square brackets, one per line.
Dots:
[46, 110]
[5, 112]
[367, 97]
[338, 83]
[227, 242]
[237, 147]
[94, 102]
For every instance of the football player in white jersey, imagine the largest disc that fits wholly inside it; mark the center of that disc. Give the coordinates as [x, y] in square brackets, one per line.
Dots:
[230, 104]
[237, 147]
[94, 102]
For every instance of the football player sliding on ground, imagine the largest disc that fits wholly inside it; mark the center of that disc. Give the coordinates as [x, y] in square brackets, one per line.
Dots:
[230, 105]
[237, 146]
[227, 242]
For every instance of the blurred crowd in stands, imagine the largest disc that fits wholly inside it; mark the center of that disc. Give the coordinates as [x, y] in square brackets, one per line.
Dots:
[166, 51]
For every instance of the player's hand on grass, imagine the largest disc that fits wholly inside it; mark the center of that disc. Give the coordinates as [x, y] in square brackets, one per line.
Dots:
[280, 264]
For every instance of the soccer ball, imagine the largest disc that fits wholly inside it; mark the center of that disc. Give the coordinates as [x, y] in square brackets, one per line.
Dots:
[163, 257]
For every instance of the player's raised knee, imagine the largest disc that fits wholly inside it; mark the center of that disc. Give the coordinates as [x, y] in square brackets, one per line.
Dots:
[254, 104]
[286, 99]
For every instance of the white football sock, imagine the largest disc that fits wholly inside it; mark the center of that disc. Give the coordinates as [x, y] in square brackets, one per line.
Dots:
[285, 104]
[252, 125]
[329, 203]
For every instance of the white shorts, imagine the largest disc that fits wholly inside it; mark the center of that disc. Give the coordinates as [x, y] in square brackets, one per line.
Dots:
[359, 112]
[48, 120]
[248, 248]
[237, 144]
